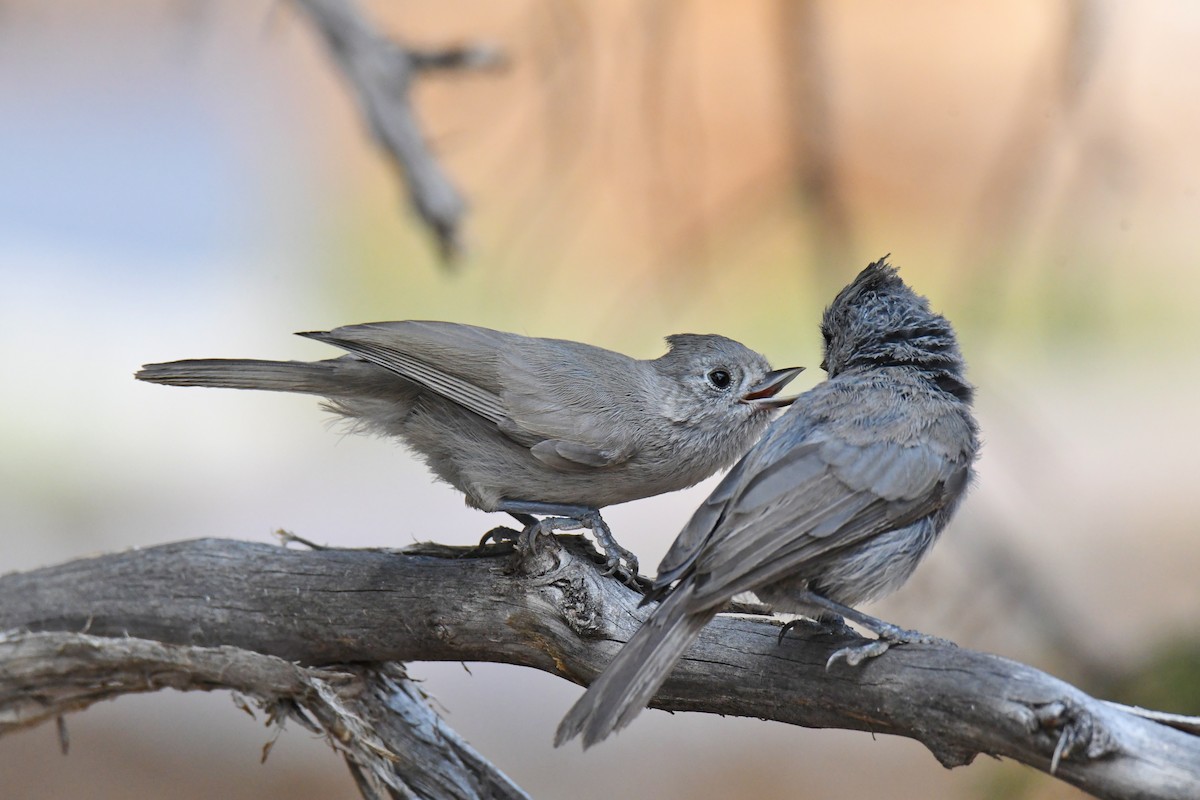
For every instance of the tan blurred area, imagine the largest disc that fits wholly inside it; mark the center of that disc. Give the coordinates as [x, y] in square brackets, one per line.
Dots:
[185, 179]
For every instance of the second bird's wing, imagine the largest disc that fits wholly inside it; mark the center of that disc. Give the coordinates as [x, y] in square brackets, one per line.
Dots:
[819, 496]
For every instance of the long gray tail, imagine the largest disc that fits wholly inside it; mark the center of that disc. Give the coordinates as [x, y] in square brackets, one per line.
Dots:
[630, 681]
[320, 377]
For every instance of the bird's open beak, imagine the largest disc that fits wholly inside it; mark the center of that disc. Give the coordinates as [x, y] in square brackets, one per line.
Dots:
[763, 394]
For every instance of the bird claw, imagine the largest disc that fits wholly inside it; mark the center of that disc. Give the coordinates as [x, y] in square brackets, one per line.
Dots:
[628, 572]
[824, 625]
[498, 535]
[858, 653]
[890, 635]
[790, 626]
[614, 554]
[617, 560]
[527, 540]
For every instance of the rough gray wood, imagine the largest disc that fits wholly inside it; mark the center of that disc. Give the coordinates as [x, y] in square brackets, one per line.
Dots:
[553, 611]
[395, 744]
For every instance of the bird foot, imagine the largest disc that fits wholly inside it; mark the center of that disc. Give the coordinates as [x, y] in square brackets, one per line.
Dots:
[888, 635]
[499, 535]
[614, 554]
[618, 561]
[527, 539]
[823, 625]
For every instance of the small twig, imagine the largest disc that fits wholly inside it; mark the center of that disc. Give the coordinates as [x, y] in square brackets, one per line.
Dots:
[286, 537]
[64, 738]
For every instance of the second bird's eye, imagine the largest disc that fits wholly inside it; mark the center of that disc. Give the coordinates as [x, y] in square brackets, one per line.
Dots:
[719, 378]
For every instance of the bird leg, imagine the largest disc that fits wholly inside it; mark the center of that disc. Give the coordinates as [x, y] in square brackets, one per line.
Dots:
[564, 517]
[888, 633]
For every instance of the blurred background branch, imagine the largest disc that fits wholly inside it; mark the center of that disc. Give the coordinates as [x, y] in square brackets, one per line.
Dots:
[381, 72]
[811, 135]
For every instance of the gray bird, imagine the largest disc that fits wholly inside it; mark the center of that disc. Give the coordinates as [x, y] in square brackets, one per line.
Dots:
[834, 506]
[533, 427]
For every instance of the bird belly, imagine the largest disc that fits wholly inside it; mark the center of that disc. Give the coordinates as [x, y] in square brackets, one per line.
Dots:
[868, 571]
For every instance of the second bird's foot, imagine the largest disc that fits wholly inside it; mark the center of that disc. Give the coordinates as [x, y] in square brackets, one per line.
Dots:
[888, 636]
[822, 625]
[620, 562]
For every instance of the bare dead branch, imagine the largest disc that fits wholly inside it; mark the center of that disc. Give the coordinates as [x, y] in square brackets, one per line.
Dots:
[381, 73]
[393, 742]
[555, 612]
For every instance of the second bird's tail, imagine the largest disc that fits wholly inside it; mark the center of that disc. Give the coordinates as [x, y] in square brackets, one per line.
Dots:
[630, 681]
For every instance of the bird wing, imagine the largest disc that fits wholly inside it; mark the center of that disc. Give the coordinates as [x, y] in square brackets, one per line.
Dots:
[459, 362]
[571, 456]
[552, 396]
[576, 406]
[820, 496]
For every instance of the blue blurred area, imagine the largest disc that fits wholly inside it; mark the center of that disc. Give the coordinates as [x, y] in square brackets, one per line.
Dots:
[133, 141]
[133, 171]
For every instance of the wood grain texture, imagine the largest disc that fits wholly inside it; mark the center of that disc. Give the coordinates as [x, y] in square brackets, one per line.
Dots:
[554, 611]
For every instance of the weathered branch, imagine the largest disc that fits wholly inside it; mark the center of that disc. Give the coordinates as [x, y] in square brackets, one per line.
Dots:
[555, 612]
[381, 73]
[393, 742]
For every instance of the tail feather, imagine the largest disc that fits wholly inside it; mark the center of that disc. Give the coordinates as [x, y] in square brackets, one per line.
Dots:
[320, 377]
[630, 681]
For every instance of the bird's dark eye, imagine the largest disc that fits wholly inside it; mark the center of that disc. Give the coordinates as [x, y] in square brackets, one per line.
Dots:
[719, 378]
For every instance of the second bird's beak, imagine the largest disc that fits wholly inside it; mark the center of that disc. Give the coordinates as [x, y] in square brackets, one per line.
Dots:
[763, 394]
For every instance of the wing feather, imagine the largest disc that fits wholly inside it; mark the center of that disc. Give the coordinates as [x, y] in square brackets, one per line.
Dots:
[819, 496]
[574, 399]
[453, 387]
[531, 389]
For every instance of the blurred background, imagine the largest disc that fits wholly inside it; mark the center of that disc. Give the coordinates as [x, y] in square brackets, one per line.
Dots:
[187, 179]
